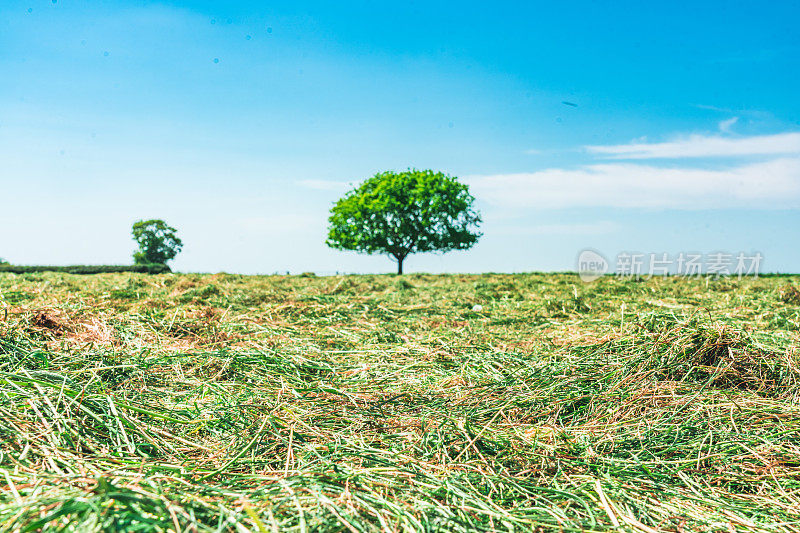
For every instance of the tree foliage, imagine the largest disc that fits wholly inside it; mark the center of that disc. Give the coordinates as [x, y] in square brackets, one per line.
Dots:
[158, 242]
[402, 213]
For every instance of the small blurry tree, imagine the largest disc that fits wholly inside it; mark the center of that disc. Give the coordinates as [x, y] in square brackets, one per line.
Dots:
[402, 213]
[158, 242]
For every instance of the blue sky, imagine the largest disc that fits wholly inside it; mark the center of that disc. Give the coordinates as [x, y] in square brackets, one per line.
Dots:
[241, 122]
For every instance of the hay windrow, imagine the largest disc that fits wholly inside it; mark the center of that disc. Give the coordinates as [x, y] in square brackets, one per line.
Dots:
[365, 403]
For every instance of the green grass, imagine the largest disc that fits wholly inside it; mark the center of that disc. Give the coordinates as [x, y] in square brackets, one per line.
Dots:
[206, 403]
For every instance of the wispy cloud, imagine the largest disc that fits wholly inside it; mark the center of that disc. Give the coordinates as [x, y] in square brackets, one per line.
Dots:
[726, 125]
[704, 146]
[752, 113]
[772, 184]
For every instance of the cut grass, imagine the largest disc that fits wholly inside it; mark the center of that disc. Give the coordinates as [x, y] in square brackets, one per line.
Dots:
[357, 403]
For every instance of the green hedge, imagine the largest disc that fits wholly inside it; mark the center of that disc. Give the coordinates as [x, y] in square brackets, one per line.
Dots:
[85, 269]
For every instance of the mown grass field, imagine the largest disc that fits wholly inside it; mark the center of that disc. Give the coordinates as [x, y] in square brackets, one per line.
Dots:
[231, 403]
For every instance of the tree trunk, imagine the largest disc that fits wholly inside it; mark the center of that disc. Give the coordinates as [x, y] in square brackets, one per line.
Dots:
[400, 266]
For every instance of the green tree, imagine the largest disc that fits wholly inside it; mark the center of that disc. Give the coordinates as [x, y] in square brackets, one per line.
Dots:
[158, 242]
[402, 213]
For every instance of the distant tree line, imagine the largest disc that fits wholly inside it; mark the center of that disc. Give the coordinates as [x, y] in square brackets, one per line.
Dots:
[393, 213]
[85, 269]
[158, 243]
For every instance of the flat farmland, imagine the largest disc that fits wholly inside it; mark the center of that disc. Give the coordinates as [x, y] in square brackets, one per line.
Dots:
[529, 402]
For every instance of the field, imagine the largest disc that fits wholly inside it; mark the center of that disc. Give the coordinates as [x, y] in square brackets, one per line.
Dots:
[179, 402]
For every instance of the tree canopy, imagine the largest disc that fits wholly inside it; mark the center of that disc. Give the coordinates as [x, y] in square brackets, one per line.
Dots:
[403, 213]
[158, 242]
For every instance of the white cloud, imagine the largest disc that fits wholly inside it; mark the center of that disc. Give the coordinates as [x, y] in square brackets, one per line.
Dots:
[766, 185]
[704, 146]
[726, 125]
